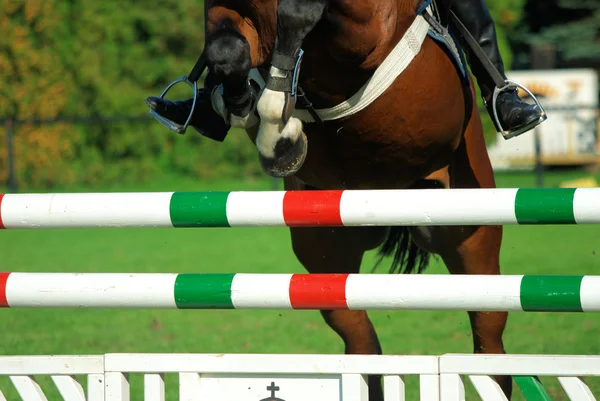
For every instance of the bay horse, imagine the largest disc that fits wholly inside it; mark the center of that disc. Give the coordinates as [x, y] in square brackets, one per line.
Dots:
[420, 129]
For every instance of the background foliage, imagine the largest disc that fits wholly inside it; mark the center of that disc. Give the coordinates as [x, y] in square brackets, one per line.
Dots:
[571, 26]
[89, 59]
[95, 59]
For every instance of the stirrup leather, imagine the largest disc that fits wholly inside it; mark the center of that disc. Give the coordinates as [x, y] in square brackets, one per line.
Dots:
[507, 134]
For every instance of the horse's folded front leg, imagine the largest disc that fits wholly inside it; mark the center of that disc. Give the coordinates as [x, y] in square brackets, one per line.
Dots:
[281, 142]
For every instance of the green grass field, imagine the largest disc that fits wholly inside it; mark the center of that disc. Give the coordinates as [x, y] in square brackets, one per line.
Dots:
[526, 250]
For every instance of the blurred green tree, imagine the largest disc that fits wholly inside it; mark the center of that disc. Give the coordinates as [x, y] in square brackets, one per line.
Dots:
[572, 26]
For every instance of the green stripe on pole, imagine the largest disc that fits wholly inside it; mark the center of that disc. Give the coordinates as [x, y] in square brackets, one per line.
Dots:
[532, 388]
[551, 293]
[205, 291]
[199, 209]
[545, 206]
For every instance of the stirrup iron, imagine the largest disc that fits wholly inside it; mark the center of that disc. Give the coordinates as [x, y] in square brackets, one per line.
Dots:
[508, 84]
[192, 80]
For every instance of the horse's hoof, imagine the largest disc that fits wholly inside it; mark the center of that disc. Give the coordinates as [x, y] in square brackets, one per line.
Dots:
[289, 157]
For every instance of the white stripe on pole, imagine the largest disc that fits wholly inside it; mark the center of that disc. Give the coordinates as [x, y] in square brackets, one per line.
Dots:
[586, 205]
[86, 210]
[429, 206]
[590, 293]
[434, 292]
[91, 290]
[258, 291]
[255, 208]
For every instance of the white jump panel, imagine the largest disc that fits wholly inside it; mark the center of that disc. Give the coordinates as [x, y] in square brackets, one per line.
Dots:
[256, 377]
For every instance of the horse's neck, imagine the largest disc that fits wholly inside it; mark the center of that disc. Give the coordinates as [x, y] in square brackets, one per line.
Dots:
[351, 42]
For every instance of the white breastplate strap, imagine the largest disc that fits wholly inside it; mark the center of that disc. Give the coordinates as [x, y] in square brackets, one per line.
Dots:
[393, 65]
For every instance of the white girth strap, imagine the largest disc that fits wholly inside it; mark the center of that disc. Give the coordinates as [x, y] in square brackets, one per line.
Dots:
[394, 64]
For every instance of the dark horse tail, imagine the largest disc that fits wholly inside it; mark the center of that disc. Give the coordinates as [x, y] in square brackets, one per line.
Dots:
[407, 256]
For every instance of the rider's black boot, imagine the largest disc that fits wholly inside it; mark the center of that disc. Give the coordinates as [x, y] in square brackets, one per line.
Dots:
[515, 115]
[204, 120]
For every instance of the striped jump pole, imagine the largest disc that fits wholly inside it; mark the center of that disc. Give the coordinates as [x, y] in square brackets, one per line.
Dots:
[416, 207]
[301, 291]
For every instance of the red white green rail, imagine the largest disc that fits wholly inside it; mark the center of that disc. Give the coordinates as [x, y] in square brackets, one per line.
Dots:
[301, 291]
[302, 208]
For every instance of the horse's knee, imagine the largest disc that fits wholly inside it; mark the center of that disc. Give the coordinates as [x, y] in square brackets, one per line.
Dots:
[488, 329]
[228, 53]
[228, 57]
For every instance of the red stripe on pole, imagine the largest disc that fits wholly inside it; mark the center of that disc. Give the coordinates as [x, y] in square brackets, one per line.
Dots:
[320, 291]
[1, 224]
[312, 208]
[3, 281]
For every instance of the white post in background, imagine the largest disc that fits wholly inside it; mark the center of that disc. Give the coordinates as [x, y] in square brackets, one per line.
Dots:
[154, 387]
[355, 387]
[95, 387]
[452, 387]
[117, 386]
[189, 386]
[393, 388]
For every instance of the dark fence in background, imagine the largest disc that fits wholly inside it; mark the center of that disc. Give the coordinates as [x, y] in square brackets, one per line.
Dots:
[11, 129]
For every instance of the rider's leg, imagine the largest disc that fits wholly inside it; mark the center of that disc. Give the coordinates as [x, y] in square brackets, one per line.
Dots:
[227, 54]
[204, 120]
[208, 122]
[513, 113]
